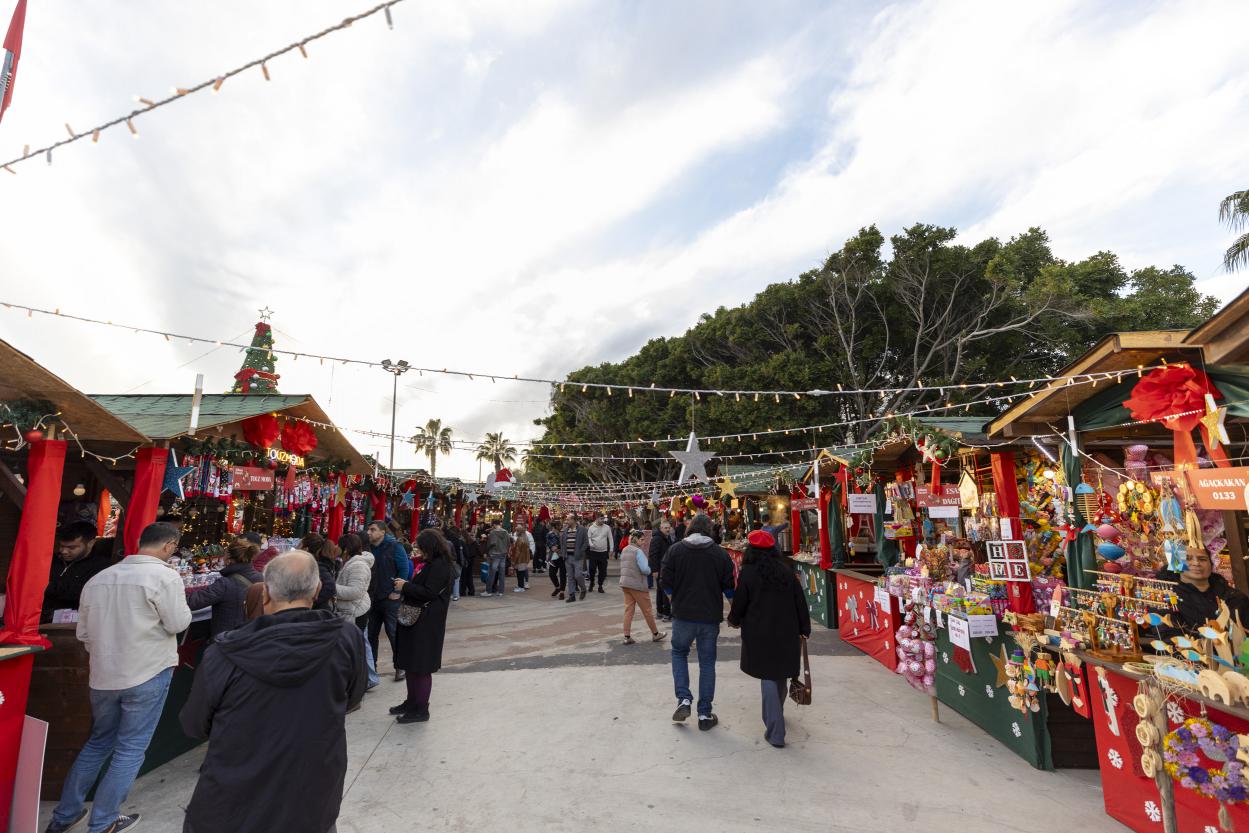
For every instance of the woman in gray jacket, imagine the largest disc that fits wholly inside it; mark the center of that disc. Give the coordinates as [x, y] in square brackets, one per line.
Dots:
[352, 593]
[634, 568]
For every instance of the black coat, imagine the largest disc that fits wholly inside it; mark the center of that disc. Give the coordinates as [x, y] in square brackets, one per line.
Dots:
[329, 578]
[418, 648]
[772, 619]
[271, 697]
[1196, 607]
[697, 573]
[227, 596]
[658, 549]
[65, 581]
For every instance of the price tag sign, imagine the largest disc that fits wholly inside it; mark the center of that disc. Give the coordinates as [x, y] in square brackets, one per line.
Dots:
[1054, 606]
[927, 615]
[883, 599]
[960, 632]
[982, 624]
[864, 504]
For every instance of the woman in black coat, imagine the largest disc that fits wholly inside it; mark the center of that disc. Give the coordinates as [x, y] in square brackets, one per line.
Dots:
[227, 595]
[418, 648]
[772, 612]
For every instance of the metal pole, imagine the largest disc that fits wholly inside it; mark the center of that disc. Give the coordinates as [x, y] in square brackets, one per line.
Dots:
[394, 404]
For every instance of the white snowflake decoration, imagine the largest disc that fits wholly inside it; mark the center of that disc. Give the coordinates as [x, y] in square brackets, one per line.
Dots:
[1116, 760]
[945, 657]
[1174, 713]
[988, 691]
[962, 692]
[1210, 828]
[1152, 810]
[1014, 727]
[1112, 696]
[1, 698]
[886, 644]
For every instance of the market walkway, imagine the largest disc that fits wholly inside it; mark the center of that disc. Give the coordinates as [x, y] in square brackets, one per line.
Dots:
[544, 722]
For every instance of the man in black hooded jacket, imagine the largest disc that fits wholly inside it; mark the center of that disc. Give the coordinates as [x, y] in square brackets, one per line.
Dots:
[271, 698]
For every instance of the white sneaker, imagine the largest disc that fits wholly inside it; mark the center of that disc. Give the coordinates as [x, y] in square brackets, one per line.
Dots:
[518, 590]
[455, 598]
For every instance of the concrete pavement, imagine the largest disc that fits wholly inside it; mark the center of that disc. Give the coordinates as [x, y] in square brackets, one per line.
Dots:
[542, 720]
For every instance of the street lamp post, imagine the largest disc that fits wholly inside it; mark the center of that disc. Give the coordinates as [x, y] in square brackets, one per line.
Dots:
[397, 369]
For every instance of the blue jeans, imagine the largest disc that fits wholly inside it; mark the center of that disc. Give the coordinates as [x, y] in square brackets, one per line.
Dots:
[683, 635]
[498, 569]
[122, 723]
[368, 657]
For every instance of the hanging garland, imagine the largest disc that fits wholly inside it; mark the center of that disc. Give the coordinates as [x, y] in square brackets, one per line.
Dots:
[26, 415]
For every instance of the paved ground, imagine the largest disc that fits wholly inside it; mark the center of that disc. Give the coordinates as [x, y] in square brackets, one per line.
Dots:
[542, 721]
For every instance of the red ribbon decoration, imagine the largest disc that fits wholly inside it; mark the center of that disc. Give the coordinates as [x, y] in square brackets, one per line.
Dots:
[1175, 395]
[261, 431]
[298, 437]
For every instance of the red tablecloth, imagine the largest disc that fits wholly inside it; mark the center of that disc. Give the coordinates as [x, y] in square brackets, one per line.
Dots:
[865, 622]
[1131, 797]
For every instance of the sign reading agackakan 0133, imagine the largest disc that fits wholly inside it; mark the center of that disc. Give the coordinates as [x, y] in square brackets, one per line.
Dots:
[1219, 488]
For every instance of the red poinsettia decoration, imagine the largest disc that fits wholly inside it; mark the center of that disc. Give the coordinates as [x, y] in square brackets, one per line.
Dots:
[298, 437]
[261, 431]
[1174, 395]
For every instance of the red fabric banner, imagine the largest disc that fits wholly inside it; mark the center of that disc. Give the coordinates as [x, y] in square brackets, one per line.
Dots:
[334, 524]
[1019, 594]
[15, 683]
[865, 623]
[826, 547]
[32, 553]
[149, 481]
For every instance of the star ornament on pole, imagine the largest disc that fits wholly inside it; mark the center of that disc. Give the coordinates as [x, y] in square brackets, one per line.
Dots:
[266, 313]
[727, 487]
[174, 475]
[693, 460]
[1213, 422]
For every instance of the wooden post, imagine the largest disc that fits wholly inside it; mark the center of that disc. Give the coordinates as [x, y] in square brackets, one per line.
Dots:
[936, 717]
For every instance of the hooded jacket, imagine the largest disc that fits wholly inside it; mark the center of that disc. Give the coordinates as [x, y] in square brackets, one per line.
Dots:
[697, 573]
[271, 698]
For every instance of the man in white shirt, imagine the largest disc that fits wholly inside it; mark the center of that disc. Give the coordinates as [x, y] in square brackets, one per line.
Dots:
[599, 545]
[128, 620]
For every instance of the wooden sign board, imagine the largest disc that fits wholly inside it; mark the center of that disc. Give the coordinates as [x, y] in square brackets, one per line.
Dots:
[1219, 488]
[1008, 561]
[251, 479]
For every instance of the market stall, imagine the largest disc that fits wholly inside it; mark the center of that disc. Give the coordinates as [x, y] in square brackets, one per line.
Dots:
[868, 616]
[58, 463]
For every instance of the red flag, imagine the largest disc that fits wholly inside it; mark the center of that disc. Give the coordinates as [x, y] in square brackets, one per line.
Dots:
[9, 55]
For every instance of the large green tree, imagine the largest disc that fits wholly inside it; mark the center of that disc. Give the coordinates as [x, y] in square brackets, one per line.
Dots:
[931, 315]
[497, 449]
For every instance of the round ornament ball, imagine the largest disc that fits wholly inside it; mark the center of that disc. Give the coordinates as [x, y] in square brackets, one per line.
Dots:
[32, 436]
[1107, 532]
[930, 665]
[930, 650]
[929, 680]
[916, 668]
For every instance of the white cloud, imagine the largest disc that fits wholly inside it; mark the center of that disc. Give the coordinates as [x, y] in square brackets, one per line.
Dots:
[459, 191]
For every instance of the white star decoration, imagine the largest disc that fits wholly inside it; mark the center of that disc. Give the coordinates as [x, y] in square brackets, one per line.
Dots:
[470, 496]
[693, 460]
[266, 313]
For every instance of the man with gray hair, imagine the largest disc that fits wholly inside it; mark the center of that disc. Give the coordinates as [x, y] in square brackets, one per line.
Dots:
[271, 697]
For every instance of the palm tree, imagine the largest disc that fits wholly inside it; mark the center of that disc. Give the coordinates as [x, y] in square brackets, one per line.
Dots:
[1234, 210]
[498, 449]
[432, 439]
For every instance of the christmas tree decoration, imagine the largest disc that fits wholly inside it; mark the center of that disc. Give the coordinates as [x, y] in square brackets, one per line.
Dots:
[257, 373]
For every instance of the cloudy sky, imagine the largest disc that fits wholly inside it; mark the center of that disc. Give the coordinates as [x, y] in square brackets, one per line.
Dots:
[532, 187]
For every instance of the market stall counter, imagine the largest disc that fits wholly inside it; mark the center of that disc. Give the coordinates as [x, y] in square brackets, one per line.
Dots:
[868, 616]
[59, 694]
[1214, 731]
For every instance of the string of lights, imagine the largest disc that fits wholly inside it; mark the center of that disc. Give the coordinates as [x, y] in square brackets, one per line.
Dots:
[213, 84]
[610, 388]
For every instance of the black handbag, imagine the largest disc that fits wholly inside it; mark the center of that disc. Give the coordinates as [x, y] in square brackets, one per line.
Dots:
[800, 690]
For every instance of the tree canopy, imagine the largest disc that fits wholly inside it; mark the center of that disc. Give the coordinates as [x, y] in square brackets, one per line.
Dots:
[928, 313]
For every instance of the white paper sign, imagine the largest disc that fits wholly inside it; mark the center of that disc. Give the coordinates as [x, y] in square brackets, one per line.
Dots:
[943, 511]
[927, 615]
[960, 635]
[864, 504]
[1054, 606]
[65, 616]
[884, 600]
[940, 618]
[1005, 528]
[982, 624]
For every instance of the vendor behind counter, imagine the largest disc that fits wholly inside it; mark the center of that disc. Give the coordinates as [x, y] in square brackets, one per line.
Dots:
[1200, 589]
[75, 563]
